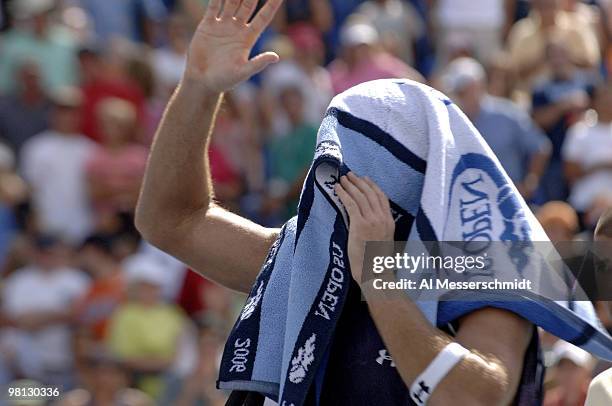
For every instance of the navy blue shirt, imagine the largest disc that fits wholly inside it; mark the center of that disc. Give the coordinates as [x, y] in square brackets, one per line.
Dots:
[552, 92]
[361, 372]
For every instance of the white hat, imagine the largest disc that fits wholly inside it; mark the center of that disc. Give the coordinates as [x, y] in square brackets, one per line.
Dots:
[142, 268]
[461, 72]
[564, 350]
[358, 34]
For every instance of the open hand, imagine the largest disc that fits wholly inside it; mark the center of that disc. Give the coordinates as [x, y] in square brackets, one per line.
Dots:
[370, 217]
[218, 56]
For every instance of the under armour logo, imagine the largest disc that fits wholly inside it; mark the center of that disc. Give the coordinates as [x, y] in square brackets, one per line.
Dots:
[383, 356]
[423, 389]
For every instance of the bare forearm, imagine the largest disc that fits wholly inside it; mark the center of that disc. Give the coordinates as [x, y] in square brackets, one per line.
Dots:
[489, 379]
[414, 343]
[177, 182]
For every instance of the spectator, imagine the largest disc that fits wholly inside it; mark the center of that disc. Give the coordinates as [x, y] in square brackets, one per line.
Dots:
[35, 37]
[53, 163]
[106, 383]
[104, 76]
[199, 388]
[557, 104]
[135, 336]
[571, 375]
[398, 24]
[25, 111]
[301, 68]
[361, 61]
[315, 12]
[13, 192]
[559, 220]
[115, 169]
[479, 23]
[290, 157]
[587, 15]
[588, 154]
[105, 293]
[191, 295]
[520, 146]
[315, 79]
[140, 72]
[169, 60]
[37, 300]
[130, 19]
[529, 38]
[228, 184]
[502, 77]
[235, 153]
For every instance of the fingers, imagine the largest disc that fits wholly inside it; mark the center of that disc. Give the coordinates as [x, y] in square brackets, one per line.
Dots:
[213, 10]
[245, 11]
[367, 190]
[349, 203]
[358, 196]
[265, 15]
[382, 197]
[229, 8]
[367, 195]
[259, 63]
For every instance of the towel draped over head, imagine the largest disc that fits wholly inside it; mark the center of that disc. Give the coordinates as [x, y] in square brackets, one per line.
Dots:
[431, 162]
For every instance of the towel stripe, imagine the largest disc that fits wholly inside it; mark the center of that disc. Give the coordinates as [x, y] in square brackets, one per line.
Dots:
[376, 134]
[305, 205]
[585, 336]
[240, 349]
[426, 231]
[316, 332]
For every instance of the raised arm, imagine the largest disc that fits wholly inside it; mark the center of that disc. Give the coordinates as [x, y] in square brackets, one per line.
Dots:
[176, 210]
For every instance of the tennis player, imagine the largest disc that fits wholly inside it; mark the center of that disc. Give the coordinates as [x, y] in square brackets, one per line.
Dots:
[484, 362]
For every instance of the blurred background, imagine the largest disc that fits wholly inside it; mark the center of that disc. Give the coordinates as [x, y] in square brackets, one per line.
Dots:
[86, 306]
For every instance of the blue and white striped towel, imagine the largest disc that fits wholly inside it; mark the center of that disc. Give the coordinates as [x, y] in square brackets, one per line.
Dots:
[422, 151]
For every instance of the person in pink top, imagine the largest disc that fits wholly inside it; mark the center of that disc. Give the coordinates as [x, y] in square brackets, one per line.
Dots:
[362, 61]
[115, 170]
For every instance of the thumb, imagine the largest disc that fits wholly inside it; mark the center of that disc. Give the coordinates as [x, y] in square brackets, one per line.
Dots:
[260, 62]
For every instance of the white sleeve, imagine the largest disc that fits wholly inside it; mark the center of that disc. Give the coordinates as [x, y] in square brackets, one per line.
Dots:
[573, 148]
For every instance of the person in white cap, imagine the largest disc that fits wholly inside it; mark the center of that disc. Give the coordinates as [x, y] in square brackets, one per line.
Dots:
[362, 60]
[145, 332]
[519, 144]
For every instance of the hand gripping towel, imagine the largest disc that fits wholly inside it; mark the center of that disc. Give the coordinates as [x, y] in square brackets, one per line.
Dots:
[429, 159]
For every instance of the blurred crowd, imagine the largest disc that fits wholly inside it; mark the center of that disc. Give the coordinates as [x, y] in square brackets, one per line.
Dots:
[89, 307]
